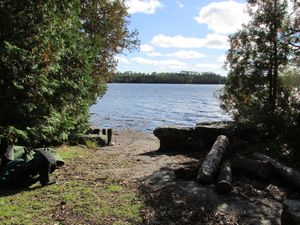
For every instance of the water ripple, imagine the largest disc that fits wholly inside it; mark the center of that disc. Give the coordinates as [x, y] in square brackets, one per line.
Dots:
[143, 107]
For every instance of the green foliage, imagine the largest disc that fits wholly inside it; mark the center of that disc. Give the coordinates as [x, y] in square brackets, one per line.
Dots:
[290, 78]
[257, 54]
[184, 77]
[106, 23]
[49, 67]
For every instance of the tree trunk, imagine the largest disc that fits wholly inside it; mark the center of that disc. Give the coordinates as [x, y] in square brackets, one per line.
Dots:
[211, 163]
[225, 178]
[253, 168]
[285, 174]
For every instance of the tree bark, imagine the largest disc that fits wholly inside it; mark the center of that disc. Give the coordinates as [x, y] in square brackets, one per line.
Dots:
[224, 184]
[253, 168]
[285, 174]
[211, 163]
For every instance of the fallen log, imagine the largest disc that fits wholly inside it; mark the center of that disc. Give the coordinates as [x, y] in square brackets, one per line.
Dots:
[224, 184]
[211, 163]
[283, 173]
[253, 168]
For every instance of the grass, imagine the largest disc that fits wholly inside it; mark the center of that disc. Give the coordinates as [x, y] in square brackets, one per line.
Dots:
[70, 152]
[80, 196]
[91, 144]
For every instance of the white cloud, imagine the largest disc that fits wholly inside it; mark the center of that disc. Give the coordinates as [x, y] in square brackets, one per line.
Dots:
[154, 54]
[209, 66]
[122, 60]
[171, 63]
[146, 48]
[186, 54]
[223, 17]
[149, 50]
[221, 58]
[217, 41]
[143, 6]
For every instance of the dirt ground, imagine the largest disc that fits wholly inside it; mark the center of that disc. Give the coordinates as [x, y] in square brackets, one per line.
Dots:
[169, 200]
[140, 151]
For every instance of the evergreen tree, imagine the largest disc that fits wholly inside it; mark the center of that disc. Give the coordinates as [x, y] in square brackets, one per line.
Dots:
[257, 54]
[47, 67]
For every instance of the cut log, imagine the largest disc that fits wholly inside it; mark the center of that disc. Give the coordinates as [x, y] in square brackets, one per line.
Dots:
[224, 184]
[283, 173]
[253, 168]
[211, 163]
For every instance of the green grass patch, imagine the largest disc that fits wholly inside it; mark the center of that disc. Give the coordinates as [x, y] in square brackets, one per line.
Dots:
[73, 200]
[91, 144]
[70, 152]
[114, 188]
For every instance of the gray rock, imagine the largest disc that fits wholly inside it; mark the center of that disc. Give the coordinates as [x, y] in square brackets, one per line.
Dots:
[291, 212]
[176, 201]
[177, 138]
[99, 139]
[203, 135]
[208, 132]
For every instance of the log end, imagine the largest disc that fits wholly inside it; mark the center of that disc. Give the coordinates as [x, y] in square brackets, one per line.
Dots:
[204, 178]
[224, 187]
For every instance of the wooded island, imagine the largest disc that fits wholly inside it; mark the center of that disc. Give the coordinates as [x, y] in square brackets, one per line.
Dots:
[183, 77]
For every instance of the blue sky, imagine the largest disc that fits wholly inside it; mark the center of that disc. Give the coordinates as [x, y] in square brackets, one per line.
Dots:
[181, 35]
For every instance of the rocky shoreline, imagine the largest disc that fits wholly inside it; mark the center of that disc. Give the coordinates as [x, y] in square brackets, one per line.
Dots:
[181, 199]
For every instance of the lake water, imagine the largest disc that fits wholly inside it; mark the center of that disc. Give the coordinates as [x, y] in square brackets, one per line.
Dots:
[143, 107]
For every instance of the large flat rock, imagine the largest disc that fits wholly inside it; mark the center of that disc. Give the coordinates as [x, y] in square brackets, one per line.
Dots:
[99, 139]
[291, 212]
[177, 138]
[177, 201]
[203, 135]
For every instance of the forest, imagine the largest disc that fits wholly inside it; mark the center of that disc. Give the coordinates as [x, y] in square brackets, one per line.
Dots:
[183, 77]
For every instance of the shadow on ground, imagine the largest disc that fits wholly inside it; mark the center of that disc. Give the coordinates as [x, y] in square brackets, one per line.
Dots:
[169, 200]
[7, 192]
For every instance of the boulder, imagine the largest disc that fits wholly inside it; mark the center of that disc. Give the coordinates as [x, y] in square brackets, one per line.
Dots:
[177, 138]
[177, 201]
[99, 139]
[291, 212]
[208, 132]
[203, 135]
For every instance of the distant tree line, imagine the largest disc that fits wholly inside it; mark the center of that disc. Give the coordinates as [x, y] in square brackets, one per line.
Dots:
[183, 77]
